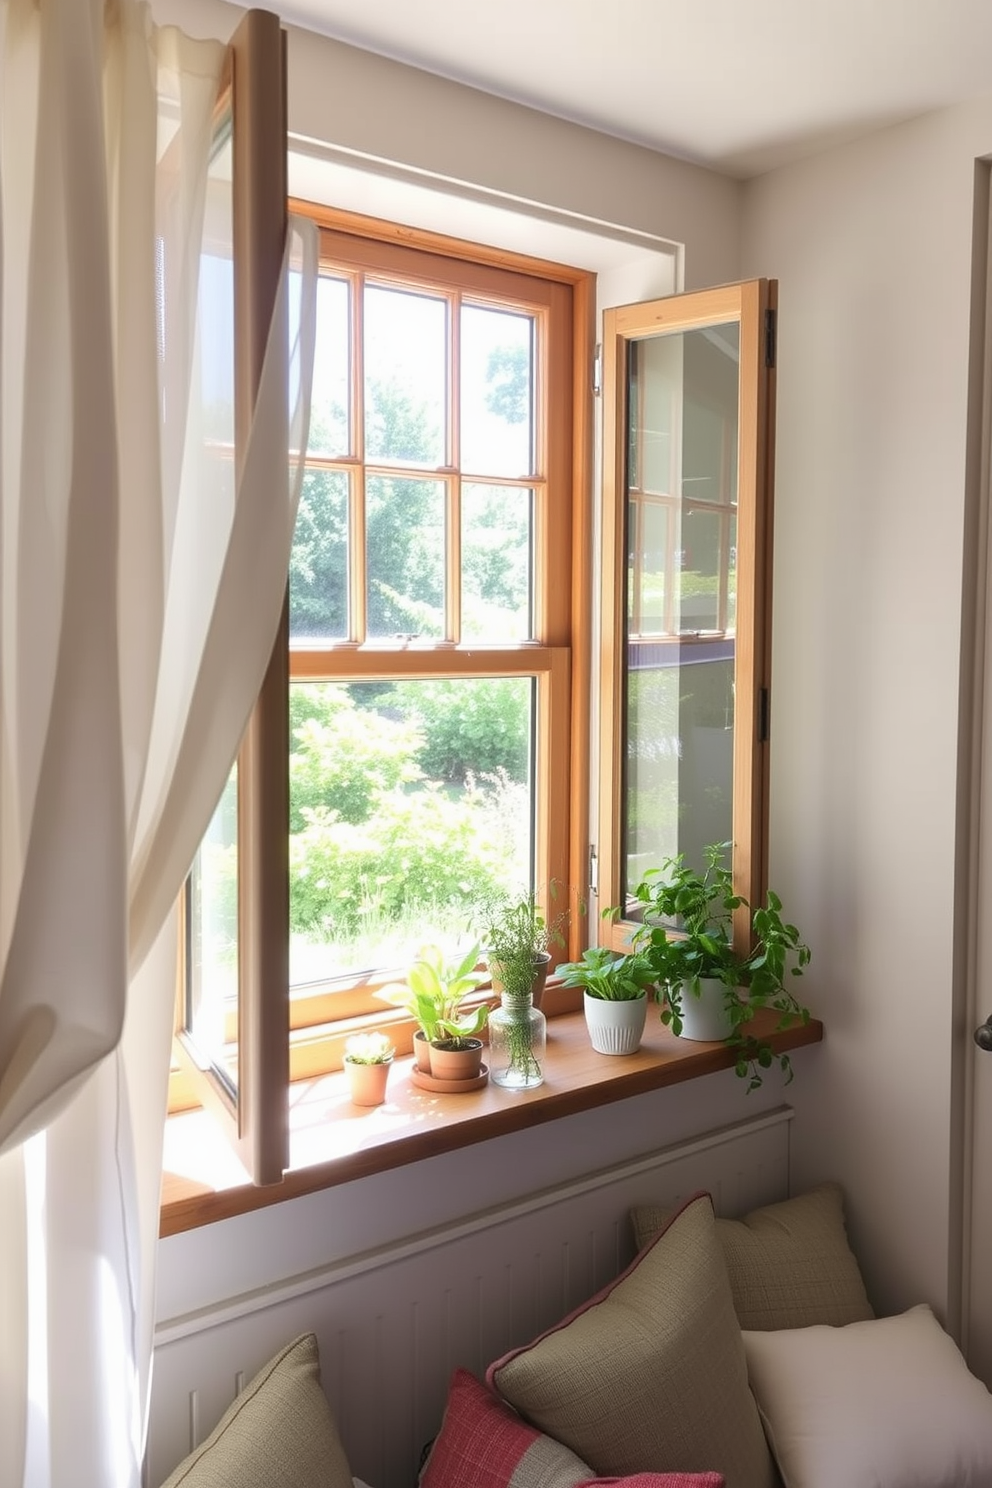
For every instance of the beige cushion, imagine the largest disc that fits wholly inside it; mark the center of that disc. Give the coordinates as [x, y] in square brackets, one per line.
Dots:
[888, 1403]
[790, 1264]
[279, 1432]
[650, 1375]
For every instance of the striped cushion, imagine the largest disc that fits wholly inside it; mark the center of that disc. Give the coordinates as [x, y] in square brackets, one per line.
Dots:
[484, 1444]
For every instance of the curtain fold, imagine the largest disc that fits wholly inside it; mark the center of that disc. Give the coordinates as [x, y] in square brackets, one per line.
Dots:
[119, 718]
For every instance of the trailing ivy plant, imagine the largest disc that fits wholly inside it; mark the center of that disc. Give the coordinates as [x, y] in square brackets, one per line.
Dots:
[687, 933]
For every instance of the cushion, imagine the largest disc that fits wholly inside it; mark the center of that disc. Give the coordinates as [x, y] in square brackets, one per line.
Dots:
[790, 1264]
[484, 1443]
[279, 1432]
[650, 1375]
[889, 1402]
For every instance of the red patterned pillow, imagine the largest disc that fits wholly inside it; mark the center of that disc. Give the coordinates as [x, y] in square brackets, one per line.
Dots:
[484, 1443]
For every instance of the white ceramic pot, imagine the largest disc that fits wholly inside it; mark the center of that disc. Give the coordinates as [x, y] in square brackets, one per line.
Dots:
[704, 1018]
[616, 1027]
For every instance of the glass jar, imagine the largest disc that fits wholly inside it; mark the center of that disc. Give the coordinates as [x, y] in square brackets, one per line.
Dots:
[517, 1038]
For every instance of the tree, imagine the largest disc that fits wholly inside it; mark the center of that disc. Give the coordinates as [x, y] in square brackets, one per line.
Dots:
[508, 382]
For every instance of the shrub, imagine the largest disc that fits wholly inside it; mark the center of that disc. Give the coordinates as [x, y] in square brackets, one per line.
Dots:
[344, 758]
[476, 727]
[420, 853]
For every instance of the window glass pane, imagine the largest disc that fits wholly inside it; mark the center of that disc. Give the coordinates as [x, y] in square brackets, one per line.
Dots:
[405, 527]
[682, 445]
[497, 393]
[212, 940]
[650, 556]
[318, 563]
[211, 985]
[331, 399]
[497, 557]
[704, 568]
[410, 802]
[406, 362]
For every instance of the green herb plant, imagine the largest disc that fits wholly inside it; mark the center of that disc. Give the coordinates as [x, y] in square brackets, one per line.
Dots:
[516, 932]
[613, 978]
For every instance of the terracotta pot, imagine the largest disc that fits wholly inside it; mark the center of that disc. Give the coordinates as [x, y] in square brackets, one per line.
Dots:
[368, 1082]
[542, 964]
[422, 1051]
[616, 1027]
[457, 1064]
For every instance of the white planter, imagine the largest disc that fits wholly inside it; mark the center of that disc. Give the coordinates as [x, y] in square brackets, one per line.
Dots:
[704, 1017]
[616, 1027]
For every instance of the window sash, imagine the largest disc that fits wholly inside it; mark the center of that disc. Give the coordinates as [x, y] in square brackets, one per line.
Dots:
[556, 659]
[750, 304]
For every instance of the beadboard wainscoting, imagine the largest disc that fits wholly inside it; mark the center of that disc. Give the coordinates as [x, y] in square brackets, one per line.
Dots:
[393, 1323]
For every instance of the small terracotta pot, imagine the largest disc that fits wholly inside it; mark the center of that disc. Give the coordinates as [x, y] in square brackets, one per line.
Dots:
[422, 1051]
[367, 1082]
[457, 1064]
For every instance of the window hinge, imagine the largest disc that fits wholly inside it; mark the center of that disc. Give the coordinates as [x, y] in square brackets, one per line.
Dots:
[771, 334]
[593, 869]
[764, 706]
[597, 372]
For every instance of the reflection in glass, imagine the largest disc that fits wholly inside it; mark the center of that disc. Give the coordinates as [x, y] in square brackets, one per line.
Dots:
[410, 803]
[497, 391]
[406, 371]
[682, 449]
[405, 532]
[496, 563]
[318, 562]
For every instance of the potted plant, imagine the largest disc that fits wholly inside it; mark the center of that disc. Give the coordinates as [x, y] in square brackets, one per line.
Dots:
[687, 936]
[517, 936]
[433, 994]
[368, 1058]
[615, 998]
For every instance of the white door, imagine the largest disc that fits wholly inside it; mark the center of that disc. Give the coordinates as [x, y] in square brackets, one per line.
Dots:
[975, 1029]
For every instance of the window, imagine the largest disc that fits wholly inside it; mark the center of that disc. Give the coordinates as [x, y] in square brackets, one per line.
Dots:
[436, 646]
[688, 415]
[424, 731]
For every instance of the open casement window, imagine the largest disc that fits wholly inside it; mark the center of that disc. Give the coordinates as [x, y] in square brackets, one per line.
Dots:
[686, 546]
[436, 652]
[243, 244]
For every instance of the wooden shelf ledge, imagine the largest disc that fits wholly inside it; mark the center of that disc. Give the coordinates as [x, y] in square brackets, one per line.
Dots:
[334, 1142]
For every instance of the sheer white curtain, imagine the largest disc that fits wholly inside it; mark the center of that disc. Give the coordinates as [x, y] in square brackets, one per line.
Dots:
[137, 611]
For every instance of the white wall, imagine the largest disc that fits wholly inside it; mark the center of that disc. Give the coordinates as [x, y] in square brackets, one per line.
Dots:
[872, 246]
[385, 112]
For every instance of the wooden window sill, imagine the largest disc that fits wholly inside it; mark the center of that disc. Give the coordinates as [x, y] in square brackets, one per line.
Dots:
[332, 1141]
